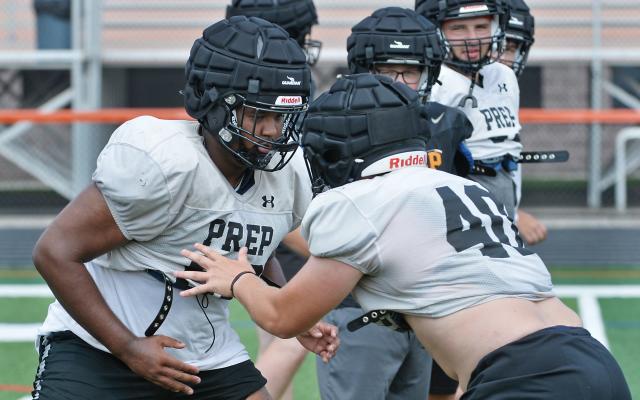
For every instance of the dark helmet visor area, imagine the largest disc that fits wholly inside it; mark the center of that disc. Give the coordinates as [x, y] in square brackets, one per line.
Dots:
[244, 135]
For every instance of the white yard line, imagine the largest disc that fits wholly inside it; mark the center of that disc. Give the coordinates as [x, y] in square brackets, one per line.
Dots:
[587, 296]
[592, 318]
[598, 290]
[25, 221]
[25, 290]
[30, 290]
[18, 332]
[589, 306]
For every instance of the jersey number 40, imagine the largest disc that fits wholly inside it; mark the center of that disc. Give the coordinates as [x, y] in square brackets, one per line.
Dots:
[474, 219]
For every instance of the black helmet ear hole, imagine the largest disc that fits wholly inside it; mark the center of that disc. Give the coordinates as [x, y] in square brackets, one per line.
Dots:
[332, 155]
[198, 91]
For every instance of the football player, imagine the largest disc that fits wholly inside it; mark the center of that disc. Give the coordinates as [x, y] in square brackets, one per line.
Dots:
[118, 329]
[486, 91]
[297, 17]
[519, 39]
[519, 34]
[403, 45]
[423, 250]
[279, 359]
[377, 362]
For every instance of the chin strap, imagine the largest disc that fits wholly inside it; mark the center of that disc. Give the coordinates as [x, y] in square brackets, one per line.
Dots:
[469, 96]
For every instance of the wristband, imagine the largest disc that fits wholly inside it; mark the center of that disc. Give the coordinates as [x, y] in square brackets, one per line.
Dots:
[233, 282]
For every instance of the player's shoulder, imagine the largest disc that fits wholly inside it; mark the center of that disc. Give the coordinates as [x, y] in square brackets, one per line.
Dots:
[293, 177]
[498, 73]
[442, 119]
[449, 76]
[332, 197]
[170, 143]
[434, 108]
[297, 165]
[147, 132]
[451, 84]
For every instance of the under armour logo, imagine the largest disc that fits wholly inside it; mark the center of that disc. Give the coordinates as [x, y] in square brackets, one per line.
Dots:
[267, 200]
[502, 87]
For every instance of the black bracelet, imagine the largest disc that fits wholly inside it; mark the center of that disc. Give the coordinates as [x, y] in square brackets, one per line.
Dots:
[233, 282]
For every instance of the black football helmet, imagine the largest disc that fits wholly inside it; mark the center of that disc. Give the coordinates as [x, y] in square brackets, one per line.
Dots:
[438, 11]
[248, 63]
[295, 16]
[364, 125]
[395, 35]
[520, 30]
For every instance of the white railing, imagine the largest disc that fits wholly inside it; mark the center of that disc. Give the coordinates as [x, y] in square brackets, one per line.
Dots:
[622, 166]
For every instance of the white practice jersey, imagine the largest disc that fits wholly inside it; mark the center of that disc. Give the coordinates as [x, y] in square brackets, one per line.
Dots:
[495, 121]
[166, 194]
[428, 243]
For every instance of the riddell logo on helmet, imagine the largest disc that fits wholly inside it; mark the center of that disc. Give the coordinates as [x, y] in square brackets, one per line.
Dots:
[291, 82]
[289, 101]
[400, 162]
[398, 45]
[473, 9]
[396, 161]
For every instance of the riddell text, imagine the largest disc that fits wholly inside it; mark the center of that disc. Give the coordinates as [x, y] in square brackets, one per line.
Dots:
[397, 162]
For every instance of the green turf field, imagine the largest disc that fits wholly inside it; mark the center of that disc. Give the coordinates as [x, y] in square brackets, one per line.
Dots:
[621, 319]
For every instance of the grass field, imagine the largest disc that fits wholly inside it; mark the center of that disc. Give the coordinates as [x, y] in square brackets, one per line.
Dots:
[621, 318]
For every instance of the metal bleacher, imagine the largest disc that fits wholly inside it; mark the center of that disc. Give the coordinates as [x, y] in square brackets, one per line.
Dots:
[593, 33]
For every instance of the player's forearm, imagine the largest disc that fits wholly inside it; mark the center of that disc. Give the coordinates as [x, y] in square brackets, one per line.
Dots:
[296, 243]
[73, 286]
[269, 309]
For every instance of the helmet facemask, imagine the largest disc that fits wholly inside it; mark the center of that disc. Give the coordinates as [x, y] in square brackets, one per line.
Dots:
[520, 55]
[520, 32]
[312, 50]
[241, 135]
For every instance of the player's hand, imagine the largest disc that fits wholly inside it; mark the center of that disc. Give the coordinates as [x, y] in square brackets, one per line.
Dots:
[219, 270]
[146, 357]
[322, 339]
[530, 228]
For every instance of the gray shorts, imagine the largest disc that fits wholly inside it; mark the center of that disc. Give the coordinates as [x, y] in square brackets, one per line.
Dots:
[502, 187]
[373, 363]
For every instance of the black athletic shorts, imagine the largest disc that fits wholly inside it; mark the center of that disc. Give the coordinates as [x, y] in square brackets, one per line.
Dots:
[290, 261]
[71, 369]
[441, 383]
[557, 363]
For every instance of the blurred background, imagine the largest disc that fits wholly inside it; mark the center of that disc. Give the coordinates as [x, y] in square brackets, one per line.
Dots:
[581, 92]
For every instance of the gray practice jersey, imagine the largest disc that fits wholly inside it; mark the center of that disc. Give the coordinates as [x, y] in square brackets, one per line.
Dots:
[428, 243]
[165, 194]
[495, 121]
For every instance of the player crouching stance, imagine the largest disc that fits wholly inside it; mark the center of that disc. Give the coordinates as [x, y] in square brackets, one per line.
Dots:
[427, 245]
